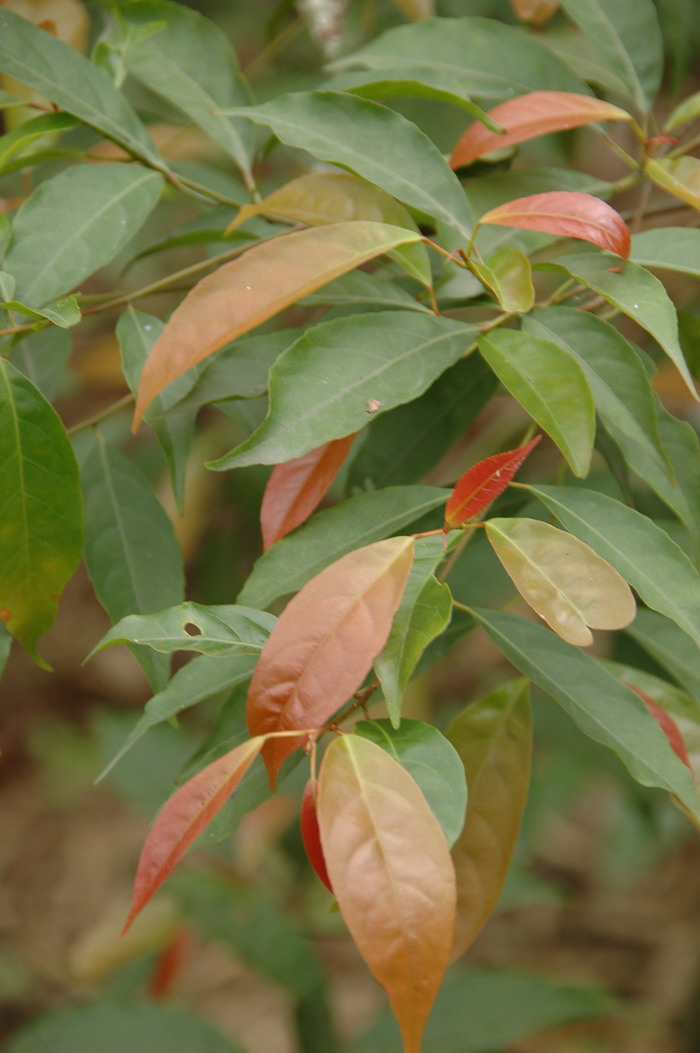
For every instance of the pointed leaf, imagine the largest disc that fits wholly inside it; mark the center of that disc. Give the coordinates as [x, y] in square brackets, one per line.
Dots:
[311, 833]
[341, 373]
[64, 313]
[550, 386]
[687, 110]
[493, 738]
[667, 724]
[184, 817]
[568, 214]
[530, 115]
[243, 293]
[668, 248]
[508, 274]
[296, 487]
[670, 647]
[41, 535]
[483, 482]
[680, 177]
[17, 140]
[322, 647]
[391, 873]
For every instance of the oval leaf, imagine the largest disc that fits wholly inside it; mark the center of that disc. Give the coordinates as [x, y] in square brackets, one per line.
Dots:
[569, 214]
[562, 579]
[536, 113]
[296, 487]
[391, 873]
[246, 291]
[322, 647]
[493, 738]
[311, 833]
[680, 177]
[184, 817]
[482, 484]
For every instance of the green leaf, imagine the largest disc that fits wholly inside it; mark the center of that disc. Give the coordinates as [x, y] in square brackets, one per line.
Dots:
[670, 647]
[424, 612]
[16, 141]
[636, 293]
[683, 447]
[334, 378]
[507, 273]
[189, 62]
[687, 110]
[606, 711]
[550, 386]
[7, 285]
[332, 533]
[75, 223]
[628, 38]
[372, 141]
[63, 313]
[359, 288]
[490, 191]
[5, 644]
[61, 74]
[42, 356]
[668, 248]
[432, 761]
[131, 553]
[642, 552]
[41, 536]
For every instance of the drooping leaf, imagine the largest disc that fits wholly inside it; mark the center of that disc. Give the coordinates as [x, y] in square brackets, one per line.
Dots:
[667, 724]
[296, 487]
[184, 817]
[324, 642]
[508, 274]
[332, 533]
[604, 709]
[655, 566]
[311, 833]
[341, 373]
[433, 762]
[550, 386]
[535, 113]
[493, 738]
[41, 535]
[567, 213]
[391, 873]
[668, 248]
[562, 578]
[483, 482]
[679, 176]
[74, 223]
[61, 74]
[243, 293]
[670, 647]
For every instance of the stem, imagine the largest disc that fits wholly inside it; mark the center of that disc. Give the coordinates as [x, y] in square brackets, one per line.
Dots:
[114, 407]
[459, 548]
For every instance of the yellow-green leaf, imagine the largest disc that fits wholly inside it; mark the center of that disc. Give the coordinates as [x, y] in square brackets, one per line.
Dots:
[680, 177]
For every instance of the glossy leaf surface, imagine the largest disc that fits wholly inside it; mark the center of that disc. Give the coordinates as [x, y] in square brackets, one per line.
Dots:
[483, 482]
[391, 873]
[680, 177]
[323, 644]
[568, 214]
[493, 738]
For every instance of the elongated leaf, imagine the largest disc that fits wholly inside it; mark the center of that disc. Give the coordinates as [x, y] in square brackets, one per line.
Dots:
[190, 63]
[63, 313]
[667, 724]
[668, 248]
[562, 578]
[184, 817]
[373, 142]
[340, 373]
[433, 762]
[296, 487]
[318, 198]
[74, 223]
[687, 110]
[421, 82]
[391, 873]
[482, 483]
[41, 536]
[54, 70]
[323, 644]
[243, 293]
[311, 833]
[213, 630]
[628, 39]
[493, 738]
[131, 553]
[641, 551]
[332, 533]
[550, 386]
[508, 274]
[670, 647]
[636, 293]
[535, 113]
[679, 176]
[568, 214]
[21, 137]
[358, 288]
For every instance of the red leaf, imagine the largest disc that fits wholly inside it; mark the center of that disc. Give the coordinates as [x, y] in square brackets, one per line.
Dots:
[483, 483]
[666, 723]
[530, 115]
[184, 817]
[295, 488]
[569, 214]
[324, 642]
[311, 834]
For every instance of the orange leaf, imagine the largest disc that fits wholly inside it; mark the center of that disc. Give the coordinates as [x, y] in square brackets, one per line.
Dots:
[311, 834]
[535, 11]
[184, 817]
[324, 643]
[248, 290]
[483, 483]
[295, 488]
[392, 875]
[569, 214]
[530, 115]
[666, 723]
